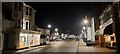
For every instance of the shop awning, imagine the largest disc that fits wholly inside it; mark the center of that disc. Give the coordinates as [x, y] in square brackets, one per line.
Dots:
[100, 31]
[29, 31]
[108, 29]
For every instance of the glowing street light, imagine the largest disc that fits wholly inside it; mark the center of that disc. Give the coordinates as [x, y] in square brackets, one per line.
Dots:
[57, 33]
[62, 34]
[83, 27]
[100, 27]
[49, 26]
[85, 21]
[56, 29]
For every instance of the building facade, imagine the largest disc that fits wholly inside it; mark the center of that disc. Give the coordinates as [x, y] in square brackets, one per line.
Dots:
[45, 35]
[106, 32]
[106, 19]
[21, 34]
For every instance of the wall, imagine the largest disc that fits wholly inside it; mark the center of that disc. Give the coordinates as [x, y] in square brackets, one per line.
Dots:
[13, 42]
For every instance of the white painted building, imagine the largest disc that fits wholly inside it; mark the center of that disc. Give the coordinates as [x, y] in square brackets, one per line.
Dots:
[21, 32]
[45, 34]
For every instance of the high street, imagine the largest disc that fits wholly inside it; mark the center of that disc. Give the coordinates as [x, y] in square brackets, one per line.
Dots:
[69, 46]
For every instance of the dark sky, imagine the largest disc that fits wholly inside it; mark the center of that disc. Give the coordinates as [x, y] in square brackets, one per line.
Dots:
[64, 16]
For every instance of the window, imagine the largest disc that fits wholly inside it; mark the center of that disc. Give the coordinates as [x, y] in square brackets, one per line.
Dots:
[26, 10]
[112, 38]
[19, 23]
[15, 5]
[20, 6]
[26, 25]
[43, 36]
[29, 25]
[107, 16]
[30, 12]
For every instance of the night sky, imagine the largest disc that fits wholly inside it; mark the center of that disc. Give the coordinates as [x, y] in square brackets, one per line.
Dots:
[64, 16]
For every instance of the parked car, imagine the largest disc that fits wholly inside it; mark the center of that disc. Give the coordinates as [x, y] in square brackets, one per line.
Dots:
[90, 43]
[77, 39]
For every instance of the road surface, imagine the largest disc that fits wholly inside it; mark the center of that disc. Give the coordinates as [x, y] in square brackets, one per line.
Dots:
[70, 47]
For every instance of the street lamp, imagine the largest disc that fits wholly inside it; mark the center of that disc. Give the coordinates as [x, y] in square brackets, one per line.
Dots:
[83, 27]
[49, 26]
[85, 21]
[57, 33]
[56, 29]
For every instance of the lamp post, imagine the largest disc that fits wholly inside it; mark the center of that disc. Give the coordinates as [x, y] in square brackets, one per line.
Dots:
[56, 32]
[56, 29]
[49, 26]
[85, 28]
[90, 30]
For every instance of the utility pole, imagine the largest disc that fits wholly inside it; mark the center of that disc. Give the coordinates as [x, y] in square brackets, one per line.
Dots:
[116, 23]
[93, 30]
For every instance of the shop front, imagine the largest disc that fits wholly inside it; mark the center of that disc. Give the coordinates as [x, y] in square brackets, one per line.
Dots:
[34, 39]
[28, 39]
[23, 40]
[105, 31]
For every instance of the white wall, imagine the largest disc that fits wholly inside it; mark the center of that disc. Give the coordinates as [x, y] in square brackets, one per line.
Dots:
[89, 34]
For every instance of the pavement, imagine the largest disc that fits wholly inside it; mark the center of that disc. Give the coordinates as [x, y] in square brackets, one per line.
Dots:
[69, 46]
[29, 49]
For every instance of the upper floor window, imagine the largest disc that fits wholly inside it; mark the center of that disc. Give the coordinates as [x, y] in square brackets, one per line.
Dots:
[15, 5]
[107, 16]
[18, 6]
[27, 10]
[30, 12]
[27, 26]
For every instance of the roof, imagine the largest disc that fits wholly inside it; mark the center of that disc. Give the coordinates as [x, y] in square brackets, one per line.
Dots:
[108, 7]
[29, 6]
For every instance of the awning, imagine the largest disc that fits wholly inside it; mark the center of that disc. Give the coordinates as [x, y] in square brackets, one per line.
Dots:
[100, 31]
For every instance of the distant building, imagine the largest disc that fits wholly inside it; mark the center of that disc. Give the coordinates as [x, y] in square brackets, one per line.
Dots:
[45, 35]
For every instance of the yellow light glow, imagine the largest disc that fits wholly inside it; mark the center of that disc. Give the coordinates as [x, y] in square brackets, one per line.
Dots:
[100, 27]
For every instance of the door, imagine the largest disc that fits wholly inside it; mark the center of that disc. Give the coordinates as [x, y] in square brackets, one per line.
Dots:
[6, 39]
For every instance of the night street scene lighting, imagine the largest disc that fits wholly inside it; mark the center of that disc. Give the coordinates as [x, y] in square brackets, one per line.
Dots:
[85, 21]
[56, 29]
[83, 27]
[50, 27]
